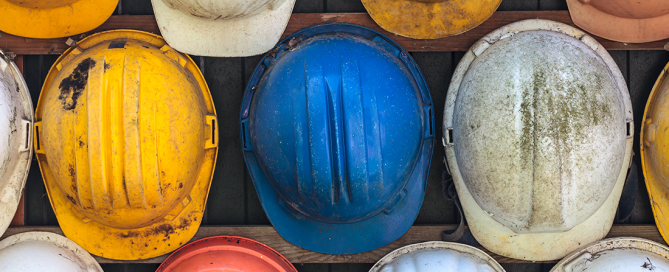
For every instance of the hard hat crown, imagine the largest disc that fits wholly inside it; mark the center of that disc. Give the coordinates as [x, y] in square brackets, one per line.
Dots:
[525, 140]
[631, 8]
[617, 254]
[226, 253]
[16, 117]
[342, 146]
[437, 257]
[110, 133]
[126, 142]
[42, 251]
[222, 9]
[41, 4]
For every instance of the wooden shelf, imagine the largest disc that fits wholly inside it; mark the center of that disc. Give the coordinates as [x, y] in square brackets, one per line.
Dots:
[298, 21]
[417, 234]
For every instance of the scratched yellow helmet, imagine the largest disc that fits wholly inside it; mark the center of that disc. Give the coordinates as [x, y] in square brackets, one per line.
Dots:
[126, 138]
[430, 19]
[53, 18]
[654, 151]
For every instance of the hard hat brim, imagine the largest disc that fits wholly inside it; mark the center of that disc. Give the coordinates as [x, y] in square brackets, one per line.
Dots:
[68, 20]
[617, 28]
[534, 246]
[350, 238]
[146, 242]
[238, 37]
[347, 238]
[422, 20]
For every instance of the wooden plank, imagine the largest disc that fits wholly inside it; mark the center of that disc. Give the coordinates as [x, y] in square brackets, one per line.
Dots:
[20, 215]
[417, 234]
[298, 21]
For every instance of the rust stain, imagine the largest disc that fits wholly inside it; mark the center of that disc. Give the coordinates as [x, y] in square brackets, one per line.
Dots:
[72, 86]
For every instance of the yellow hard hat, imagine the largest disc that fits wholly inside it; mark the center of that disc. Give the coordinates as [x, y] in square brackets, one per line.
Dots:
[126, 138]
[54, 18]
[654, 151]
[430, 19]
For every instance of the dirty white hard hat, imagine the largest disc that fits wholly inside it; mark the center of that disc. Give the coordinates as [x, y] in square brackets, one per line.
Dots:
[538, 138]
[16, 119]
[437, 257]
[44, 251]
[222, 28]
[628, 254]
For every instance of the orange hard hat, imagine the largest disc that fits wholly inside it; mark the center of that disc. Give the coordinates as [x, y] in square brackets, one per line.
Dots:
[227, 253]
[630, 21]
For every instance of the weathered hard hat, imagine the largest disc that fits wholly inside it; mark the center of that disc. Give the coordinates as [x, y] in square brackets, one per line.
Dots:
[437, 257]
[617, 254]
[226, 253]
[654, 152]
[16, 119]
[336, 127]
[126, 138]
[44, 251]
[622, 20]
[537, 115]
[232, 28]
[430, 19]
[53, 19]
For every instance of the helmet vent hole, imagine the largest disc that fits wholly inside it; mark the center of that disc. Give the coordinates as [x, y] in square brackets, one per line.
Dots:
[37, 137]
[450, 136]
[27, 132]
[629, 129]
[244, 134]
[213, 132]
[429, 114]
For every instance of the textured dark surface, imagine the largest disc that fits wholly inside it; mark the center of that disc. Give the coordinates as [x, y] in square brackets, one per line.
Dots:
[233, 200]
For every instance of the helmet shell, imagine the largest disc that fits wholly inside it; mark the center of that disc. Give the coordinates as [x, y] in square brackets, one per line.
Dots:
[54, 18]
[125, 144]
[16, 119]
[336, 122]
[226, 253]
[44, 251]
[654, 152]
[430, 19]
[222, 28]
[617, 254]
[622, 20]
[528, 107]
[437, 257]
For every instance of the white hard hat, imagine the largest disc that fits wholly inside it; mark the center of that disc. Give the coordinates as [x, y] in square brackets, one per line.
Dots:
[538, 137]
[44, 251]
[16, 119]
[622, 254]
[222, 28]
[437, 257]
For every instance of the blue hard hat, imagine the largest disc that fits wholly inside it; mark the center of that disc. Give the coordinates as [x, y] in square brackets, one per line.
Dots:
[337, 131]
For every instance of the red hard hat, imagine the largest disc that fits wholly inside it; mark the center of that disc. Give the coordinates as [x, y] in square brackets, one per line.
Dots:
[227, 253]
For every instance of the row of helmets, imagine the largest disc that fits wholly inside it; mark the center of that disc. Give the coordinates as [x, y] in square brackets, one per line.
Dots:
[245, 28]
[337, 127]
[43, 251]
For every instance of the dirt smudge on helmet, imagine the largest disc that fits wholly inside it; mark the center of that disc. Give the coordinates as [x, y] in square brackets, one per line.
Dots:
[164, 230]
[72, 86]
